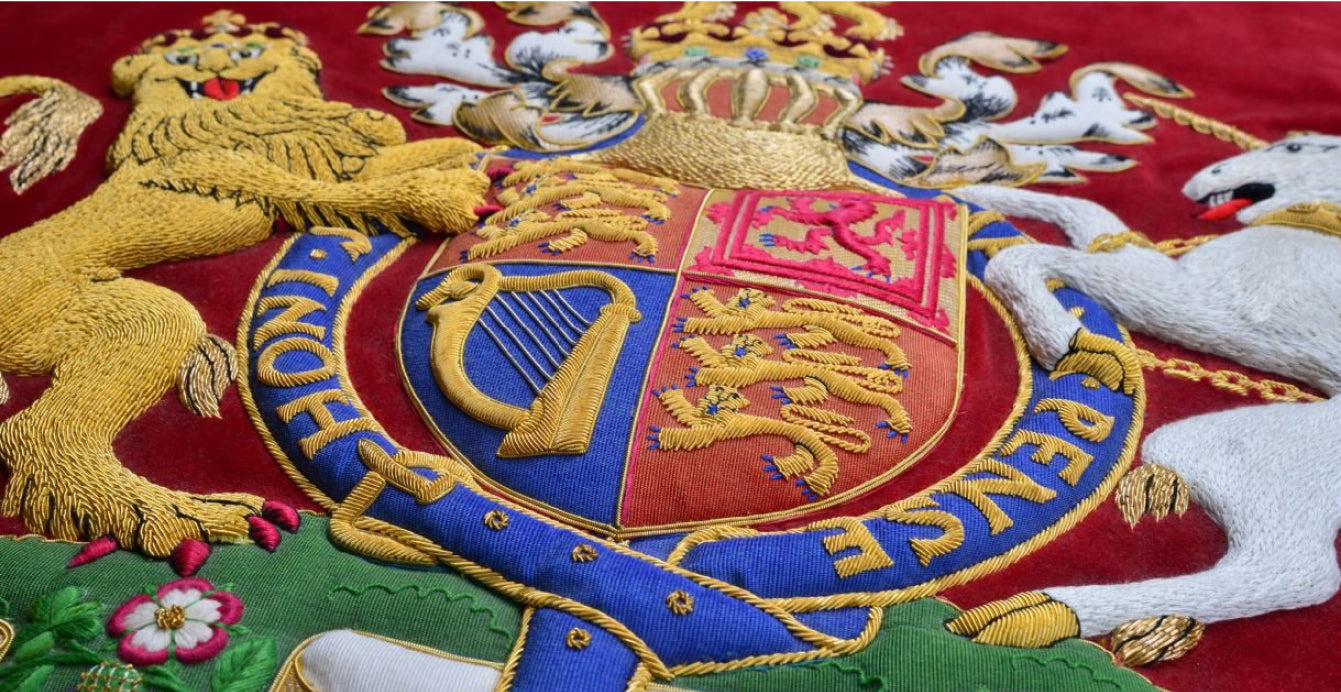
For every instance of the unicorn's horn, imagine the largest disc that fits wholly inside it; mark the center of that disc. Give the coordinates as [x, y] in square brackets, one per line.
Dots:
[1199, 123]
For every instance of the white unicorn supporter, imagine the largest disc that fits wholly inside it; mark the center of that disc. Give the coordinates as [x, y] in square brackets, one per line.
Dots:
[1267, 296]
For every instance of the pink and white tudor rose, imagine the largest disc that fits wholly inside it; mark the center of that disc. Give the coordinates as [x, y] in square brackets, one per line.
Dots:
[185, 620]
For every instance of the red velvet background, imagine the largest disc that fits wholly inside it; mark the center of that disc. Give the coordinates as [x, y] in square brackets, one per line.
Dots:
[1268, 68]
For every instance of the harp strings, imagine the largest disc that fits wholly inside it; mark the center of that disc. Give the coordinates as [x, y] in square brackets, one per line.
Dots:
[535, 331]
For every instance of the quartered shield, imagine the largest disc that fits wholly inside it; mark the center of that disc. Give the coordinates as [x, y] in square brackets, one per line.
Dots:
[640, 356]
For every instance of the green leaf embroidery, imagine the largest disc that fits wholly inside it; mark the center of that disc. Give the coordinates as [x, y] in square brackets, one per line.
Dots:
[12, 675]
[79, 623]
[46, 608]
[62, 613]
[35, 647]
[33, 683]
[163, 678]
[84, 657]
[245, 667]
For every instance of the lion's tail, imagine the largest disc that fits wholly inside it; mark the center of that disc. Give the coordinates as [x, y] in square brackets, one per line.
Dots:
[41, 136]
[205, 375]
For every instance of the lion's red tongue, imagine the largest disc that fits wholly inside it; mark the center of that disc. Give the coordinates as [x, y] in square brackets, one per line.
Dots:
[1224, 211]
[221, 89]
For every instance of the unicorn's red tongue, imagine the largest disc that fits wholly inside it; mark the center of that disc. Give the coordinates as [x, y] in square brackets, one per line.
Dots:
[1224, 211]
[221, 89]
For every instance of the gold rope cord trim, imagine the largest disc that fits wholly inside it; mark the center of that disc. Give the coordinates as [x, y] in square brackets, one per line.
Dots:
[6, 637]
[380, 540]
[514, 657]
[1225, 380]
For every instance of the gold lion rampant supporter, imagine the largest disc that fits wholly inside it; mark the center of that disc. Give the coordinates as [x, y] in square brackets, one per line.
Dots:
[229, 132]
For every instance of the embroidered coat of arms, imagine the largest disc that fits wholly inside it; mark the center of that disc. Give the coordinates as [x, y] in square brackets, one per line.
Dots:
[707, 372]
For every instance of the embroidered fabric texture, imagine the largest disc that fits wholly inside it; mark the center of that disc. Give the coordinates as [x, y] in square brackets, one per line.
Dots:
[1200, 301]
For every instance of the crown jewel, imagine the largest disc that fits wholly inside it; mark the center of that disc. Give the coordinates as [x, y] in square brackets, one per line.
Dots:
[809, 39]
[224, 23]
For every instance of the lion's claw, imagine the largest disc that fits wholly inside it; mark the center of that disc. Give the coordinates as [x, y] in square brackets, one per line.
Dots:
[1157, 639]
[263, 533]
[281, 515]
[443, 201]
[189, 556]
[95, 550]
[137, 514]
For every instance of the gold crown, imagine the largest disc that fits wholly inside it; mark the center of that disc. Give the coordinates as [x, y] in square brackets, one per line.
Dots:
[223, 23]
[807, 39]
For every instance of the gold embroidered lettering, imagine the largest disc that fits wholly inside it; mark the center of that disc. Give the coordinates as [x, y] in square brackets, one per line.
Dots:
[870, 555]
[1049, 447]
[1078, 419]
[288, 321]
[1010, 482]
[327, 283]
[952, 528]
[268, 374]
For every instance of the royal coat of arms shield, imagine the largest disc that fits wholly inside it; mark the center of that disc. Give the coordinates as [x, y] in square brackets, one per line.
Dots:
[690, 359]
[655, 363]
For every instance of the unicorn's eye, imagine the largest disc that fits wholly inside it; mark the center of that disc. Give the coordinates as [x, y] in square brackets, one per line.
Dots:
[1294, 148]
[181, 57]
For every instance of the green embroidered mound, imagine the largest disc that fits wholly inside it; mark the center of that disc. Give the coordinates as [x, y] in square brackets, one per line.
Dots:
[914, 653]
[61, 632]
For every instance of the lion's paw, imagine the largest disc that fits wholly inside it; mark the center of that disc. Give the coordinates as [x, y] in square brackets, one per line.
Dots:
[442, 201]
[118, 509]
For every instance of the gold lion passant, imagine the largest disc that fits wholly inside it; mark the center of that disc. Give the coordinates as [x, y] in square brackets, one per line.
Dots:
[229, 132]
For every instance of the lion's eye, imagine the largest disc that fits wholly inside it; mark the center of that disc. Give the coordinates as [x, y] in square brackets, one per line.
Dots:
[181, 58]
[251, 50]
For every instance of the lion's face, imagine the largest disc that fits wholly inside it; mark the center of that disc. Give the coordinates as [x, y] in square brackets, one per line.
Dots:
[221, 67]
[721, 399]
[747, 298]
[1295, 170]
[744, 346]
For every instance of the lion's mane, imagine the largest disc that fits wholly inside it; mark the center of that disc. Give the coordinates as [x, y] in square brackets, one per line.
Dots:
[313, 138]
